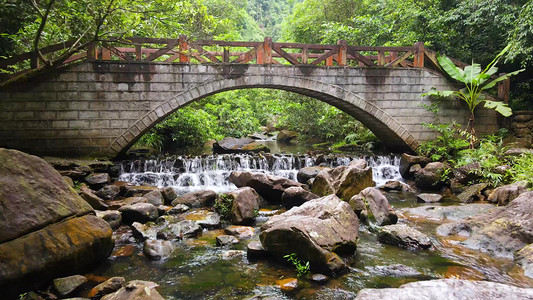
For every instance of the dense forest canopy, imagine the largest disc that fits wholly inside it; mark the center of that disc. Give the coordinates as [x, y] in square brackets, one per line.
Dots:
[464, 29]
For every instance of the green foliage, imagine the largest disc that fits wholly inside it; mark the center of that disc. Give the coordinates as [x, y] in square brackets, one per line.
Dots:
[223, 206]
[522, 170]
[449, 141]
[301, 268]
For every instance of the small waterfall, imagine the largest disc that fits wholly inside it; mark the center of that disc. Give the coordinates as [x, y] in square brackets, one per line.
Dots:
[187, 174]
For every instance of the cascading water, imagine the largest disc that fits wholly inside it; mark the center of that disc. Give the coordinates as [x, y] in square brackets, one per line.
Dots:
[187, 174]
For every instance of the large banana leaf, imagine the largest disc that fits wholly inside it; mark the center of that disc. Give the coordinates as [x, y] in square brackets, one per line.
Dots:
[450, 68]
[500, 107]
[501, 78]
[434, 92]
[472, 73]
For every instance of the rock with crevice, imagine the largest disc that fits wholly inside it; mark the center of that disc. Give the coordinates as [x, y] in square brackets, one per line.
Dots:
[507, 193]
[344, 181]
[371, 206]
[296, 196]
[270, 187]
[196, 199]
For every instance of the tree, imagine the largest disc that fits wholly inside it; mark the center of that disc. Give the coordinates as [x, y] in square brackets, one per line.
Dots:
[476, 82]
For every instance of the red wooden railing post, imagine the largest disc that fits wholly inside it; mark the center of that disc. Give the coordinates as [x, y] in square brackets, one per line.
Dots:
[381, 58]
[304, 55]
[183, 47]
[92, 53]
[341, 56]
[225, 55]
[503, 89]
[267, 50]
[106, 54]
[419, 55]
[138, 52]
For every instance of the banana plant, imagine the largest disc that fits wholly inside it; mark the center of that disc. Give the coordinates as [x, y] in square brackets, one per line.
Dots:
[477, 82]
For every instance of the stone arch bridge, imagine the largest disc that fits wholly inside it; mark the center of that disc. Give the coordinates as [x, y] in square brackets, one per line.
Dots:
[104, 99]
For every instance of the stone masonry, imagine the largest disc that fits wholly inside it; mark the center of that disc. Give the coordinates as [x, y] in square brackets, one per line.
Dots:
[103, 107]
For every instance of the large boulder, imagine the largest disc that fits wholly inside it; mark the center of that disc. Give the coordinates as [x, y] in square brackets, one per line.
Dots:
[407, 161]
[47, 230]
[372, 207]
[507, 193]
[431, 177]
[306, 173]
[286, 136]
[344, 181]
[139, 212]
[296, 196]
[240, 205]
[501, 231]
[318, 231]
[472, 193]
[196, 199]
[448, 289]
[269, 187]
[238, 145]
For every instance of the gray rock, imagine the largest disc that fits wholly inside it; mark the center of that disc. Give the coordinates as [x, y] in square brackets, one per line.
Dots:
[163, 209]
[431, 176]
[244, 204]
[344, 181]
[168, 195]
[296, 196]
[306, 173]
[98, 180]
[507, 193]
[145, 231]
[403, 236]
[136, 289]
[524, 258]
[428, 198]
[175, 230]
[447, 213]
[112, 217]
[254, 249]
[154, 197]
[240, 232]
[448, 289]
[319, 278]
[270, 187]
[139, 212]
[203, 217]
[396, 186]
[393, 271]
[109, 286]
[108, 192]
[317, 231]
[372, 207]
[66, 286]
[157, 249]
[196, 199]
[472, 193]
[407, 161]
[178, 209]
[93, 200]
[225, 240]
[138, 191]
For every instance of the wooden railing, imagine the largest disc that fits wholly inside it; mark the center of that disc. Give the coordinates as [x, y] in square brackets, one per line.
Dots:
[183, 50]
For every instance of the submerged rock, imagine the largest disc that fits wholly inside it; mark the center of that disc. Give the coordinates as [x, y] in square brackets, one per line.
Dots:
[269, 187]
[136, 289]
[372, 207]
[157, 249]
[344, 181]
[403, 236]
[317, 231]
[448, 289]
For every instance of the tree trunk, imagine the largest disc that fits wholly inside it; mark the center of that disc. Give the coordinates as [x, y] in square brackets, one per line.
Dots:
[471, 130]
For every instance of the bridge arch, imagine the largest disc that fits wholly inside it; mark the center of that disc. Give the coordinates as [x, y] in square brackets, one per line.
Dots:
[389, 130]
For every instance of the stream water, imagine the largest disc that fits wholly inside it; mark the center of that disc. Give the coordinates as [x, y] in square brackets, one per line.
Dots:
[198, 269]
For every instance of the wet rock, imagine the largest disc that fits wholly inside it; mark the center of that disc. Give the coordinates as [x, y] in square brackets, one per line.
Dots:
[196, 199]
[317, 231]
[319, 278]
[449, 289]
[157, 249]
[238, 145]
[407, 161]
[467, 173]
[203, 217]
[109, 286]
[286, 136]
[287, 285]
[139, 212]
[244, 204]
[306, 173]
[501, 231]
[173, 230]
[472, 193]
[178, 209]
[296, 196]
[258, 136]
[163, 209]
[112, 217]
[93, 200]
[446, 213]
[403, 236]
[108, 192]
[154, 197]
[241, 232]
[517, 151]
[524, 258]
[394, 271]
[45, 226]
[268, 186]
[507, 193]
[69, 181]
[345, 181]
[98, 180]
[372, 207]
[254, 249]
[136, 289]
[168, 195]
[65, 286]
[431, 176]
[138, 191]
[428, 198]
[395, 185]
[231, 254]
[128, 201]
[226, 240]
[144, 231]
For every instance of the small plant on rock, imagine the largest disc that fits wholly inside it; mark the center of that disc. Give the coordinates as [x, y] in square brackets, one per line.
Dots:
[301, 268]
[223, 206]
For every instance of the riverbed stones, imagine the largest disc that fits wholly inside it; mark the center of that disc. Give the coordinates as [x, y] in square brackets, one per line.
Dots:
[296, 196]
[344, 181]
[270, 187]
[108, 192]
[196, 199]
[226, 240]
[502, 231]
[241, 232]
[507, 193]
[238, 145]
[318, 231]
[112, 217]
[154, 197]
[93, 200]
[431, 177]
[65, 286]
[403, 236]
[306, 173]
[448, 289]
[373, 207]
[136, 289]
[203, 217]
[139, 212]
[244, 204]
[472, 193]
[428, 198]
[407, 161]
[97, 180]
[46, 227]
[168, 195]
[109, 286]
[157, 249]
